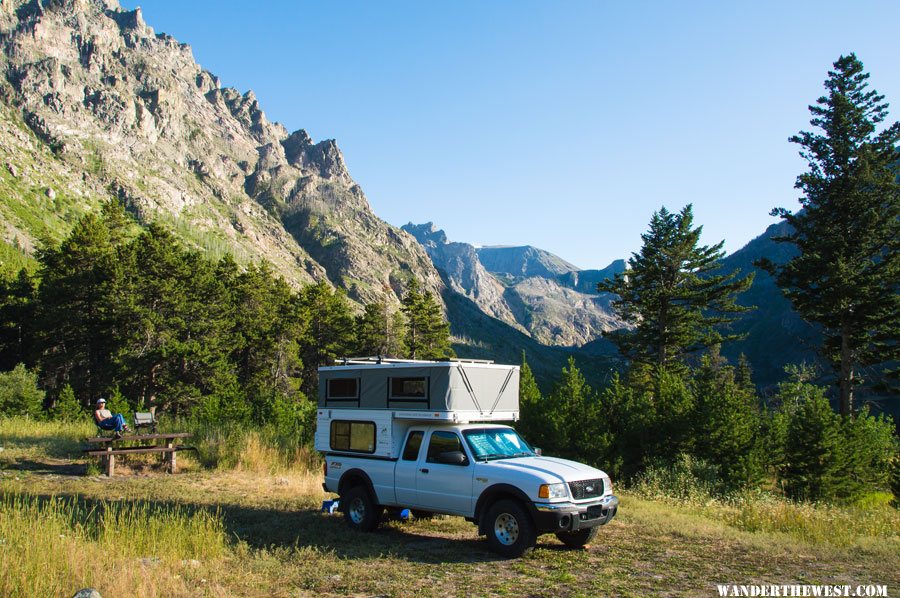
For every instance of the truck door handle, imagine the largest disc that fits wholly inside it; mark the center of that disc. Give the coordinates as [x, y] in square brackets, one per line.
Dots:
[424, 470]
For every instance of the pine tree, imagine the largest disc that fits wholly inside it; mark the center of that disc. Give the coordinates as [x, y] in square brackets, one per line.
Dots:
[380, 331]
[329, 334]
[846, 277]
[569, 417]
[267, 327]
[813, 465]
[727, 424]
[790, 395]
[17, 320]
[531, 407]
[672, 295]
[176, 333]
[894, 477]
[19, 393]
[869, 444]
[649, 415]
[427, 333]
[67, 407]
[78, 317]
[743, 374]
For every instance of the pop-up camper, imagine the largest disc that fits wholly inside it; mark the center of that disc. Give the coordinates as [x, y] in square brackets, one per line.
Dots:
[366, 404]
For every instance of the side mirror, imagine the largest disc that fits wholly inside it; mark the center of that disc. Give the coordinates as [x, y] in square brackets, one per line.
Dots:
[453, 458]
[538, 451]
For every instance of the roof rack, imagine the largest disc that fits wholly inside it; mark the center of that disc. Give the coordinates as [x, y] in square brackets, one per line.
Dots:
[375, 359]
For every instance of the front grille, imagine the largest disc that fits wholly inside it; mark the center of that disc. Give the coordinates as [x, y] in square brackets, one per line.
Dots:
[586, 489]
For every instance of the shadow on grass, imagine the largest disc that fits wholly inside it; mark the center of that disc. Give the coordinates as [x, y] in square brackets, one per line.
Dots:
[272, 528]
[49, 467]
[59, 447]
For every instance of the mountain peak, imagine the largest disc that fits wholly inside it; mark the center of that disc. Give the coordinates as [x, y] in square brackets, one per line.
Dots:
[427, 234]
[523, 261]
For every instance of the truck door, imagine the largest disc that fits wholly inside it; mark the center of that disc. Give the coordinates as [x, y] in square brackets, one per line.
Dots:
[442, 483]
[406, 468]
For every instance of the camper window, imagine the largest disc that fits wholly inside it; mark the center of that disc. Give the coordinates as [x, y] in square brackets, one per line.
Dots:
[409, 388]
[343, 388]
[356, 437]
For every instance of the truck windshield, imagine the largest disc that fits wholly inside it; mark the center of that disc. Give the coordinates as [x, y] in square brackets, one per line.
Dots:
[497, 443]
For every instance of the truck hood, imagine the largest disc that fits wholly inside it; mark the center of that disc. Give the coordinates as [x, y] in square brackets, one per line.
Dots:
[551, 469]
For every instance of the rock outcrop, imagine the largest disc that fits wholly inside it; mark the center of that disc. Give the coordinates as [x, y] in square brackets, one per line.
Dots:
[528, 288]
[115, 108]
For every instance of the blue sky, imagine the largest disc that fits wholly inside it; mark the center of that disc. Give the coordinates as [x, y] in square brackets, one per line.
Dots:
[562, 125]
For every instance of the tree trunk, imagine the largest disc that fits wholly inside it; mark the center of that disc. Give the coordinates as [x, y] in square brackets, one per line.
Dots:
[663, 324]
[846, 380]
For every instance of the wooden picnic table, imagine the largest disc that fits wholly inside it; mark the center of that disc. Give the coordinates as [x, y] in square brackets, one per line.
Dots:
[110, 446]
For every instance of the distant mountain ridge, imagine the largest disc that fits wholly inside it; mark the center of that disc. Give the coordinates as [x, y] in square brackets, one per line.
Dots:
[523, 262]
[530, 289]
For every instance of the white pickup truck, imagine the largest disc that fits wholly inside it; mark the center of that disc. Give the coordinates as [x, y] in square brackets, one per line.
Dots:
[424, 435]
[484, 472]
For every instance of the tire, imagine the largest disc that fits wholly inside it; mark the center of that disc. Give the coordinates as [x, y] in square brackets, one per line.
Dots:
[510, 530]
[422, 515]
[360, 511]
[578, 539]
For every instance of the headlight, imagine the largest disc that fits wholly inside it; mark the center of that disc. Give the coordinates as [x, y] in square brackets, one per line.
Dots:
[607, 485]
[552, 491]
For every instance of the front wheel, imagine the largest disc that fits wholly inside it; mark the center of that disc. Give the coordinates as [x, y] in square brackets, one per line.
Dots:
[360, 511]
[510, 531]
[578, 539]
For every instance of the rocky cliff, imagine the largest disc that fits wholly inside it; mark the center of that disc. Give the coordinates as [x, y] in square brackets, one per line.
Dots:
[523, 262]
[95, 103]
[530, 289]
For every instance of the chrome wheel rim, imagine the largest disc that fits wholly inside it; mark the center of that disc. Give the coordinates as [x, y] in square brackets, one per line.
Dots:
[357, 511]
[506, 529]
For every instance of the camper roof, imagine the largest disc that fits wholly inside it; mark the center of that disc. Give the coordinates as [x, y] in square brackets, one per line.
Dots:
[405, 363]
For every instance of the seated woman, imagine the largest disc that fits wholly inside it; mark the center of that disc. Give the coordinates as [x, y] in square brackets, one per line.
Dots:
[107, 421]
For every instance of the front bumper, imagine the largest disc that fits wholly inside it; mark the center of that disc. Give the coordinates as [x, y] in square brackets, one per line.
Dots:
[569, 516]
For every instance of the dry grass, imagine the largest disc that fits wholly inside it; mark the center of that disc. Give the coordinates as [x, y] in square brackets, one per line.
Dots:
[256, 530]
[50, 544]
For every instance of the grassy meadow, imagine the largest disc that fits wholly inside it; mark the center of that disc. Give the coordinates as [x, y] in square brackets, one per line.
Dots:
[242, 519]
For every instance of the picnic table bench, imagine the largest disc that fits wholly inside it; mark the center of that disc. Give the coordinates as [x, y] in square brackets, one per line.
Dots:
[107, 447]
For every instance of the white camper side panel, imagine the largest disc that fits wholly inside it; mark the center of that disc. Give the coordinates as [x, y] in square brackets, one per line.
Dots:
[389, 432]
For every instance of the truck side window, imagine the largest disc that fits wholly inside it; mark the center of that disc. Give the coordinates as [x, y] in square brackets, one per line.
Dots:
[443, 442]
[411, 452]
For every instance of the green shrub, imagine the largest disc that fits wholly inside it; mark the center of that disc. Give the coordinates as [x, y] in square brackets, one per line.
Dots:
[868, 448]
[117, 403]
[66, 407]
[813, 450]
[686, 479]
[727, 425]
[895, 478]
[819, 455]
[19, 393]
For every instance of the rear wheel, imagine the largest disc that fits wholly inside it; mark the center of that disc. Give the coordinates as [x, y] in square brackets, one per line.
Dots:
[578, 539]
[510, 531]
[360, 511]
